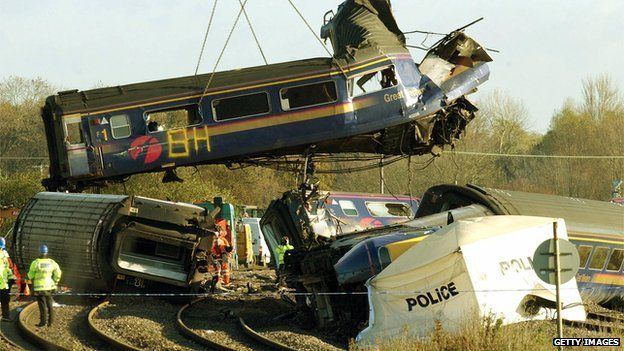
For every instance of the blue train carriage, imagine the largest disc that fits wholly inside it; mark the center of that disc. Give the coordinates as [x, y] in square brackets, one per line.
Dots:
[595, 227]
[359, 211]
[369, 97]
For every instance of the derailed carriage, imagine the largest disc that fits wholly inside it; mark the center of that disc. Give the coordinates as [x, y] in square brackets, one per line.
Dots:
[112, 242]
[327, 261]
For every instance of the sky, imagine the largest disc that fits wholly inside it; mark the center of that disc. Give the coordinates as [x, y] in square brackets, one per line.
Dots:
[546, 47]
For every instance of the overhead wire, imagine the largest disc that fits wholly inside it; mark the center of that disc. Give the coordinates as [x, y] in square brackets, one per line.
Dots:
[492, 154]
[286, 164]
[201, 52]
[317, 37]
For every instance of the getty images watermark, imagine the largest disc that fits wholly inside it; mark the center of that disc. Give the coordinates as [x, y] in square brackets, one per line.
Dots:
[586, 342]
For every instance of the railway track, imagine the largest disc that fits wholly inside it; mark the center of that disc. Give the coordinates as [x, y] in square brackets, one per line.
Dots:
[285, 336]
[215, 329]
[596, 323]
[6, 342]
[32, 334]
[603, 316]
[195, 336]
[11, 336]
[240, 335]
[270, 342]
[69, 331]
[138, 324]
[108, 339]
[224, 328]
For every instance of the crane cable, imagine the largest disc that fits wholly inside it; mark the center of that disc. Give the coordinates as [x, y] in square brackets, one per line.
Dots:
[214, 69]
[201, 52]
[253, 33]
[317, 38]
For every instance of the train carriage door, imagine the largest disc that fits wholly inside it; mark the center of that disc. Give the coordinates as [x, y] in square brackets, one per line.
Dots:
[75, 145]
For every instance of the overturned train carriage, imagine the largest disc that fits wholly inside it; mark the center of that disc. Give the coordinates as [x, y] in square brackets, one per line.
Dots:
[107, 242]
[345, 261]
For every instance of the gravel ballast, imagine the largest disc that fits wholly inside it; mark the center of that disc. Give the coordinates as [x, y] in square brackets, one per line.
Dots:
[146, 323]
[70, 328]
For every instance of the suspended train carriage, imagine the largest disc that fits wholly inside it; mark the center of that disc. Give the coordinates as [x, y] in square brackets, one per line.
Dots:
[370, 97]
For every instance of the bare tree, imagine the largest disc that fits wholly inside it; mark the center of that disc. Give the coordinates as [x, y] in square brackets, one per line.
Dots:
[600, 96]
[21, 128]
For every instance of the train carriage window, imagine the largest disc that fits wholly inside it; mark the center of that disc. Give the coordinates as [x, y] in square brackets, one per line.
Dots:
[74, 133]
[172, 118]
[615, 262]
[388, 209]
[308, 95]
[120, 126]
[584, 252]
[240, 106]
[373, 81]
[599, 258]
[348, 207]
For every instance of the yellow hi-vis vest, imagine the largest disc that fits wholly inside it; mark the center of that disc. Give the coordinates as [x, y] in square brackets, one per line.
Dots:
[5, 270]
[281, 250]
[44, 274]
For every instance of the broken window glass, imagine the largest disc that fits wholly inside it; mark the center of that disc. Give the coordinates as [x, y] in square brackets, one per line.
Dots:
[373, 81]
[388, 209]
[74, 133]
[174, 118]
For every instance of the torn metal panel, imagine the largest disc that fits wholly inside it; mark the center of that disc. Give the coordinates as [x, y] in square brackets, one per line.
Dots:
[455, 63]
[364, 28]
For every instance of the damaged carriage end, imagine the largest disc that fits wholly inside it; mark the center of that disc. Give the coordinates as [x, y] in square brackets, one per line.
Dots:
[100, 240]
[433, 92]
[457, 66]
